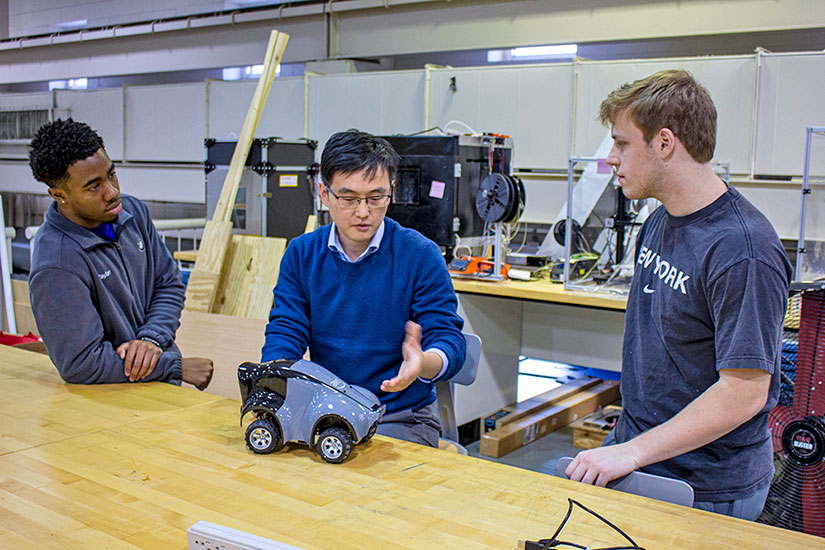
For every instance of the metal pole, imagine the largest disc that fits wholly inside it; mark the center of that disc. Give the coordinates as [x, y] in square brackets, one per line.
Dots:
[497, 253]
[264, 187]
[5, 268]
[800, 245]
[568, 224]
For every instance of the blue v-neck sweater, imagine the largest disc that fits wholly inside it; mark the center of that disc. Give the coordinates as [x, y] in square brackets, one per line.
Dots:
[352, 315]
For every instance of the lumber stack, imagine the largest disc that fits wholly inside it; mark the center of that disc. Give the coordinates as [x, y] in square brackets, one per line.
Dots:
[589, 432]
[525, 422]
[213, 283]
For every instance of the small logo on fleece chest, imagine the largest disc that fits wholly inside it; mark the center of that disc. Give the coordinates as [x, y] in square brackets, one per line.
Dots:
[105, 275]
[140, 244]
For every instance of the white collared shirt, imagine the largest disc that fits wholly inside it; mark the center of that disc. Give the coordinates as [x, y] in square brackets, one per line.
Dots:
[334, 245]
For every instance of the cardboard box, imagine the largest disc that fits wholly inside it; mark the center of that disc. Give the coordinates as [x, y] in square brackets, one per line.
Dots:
[533, 405]
[515, 435]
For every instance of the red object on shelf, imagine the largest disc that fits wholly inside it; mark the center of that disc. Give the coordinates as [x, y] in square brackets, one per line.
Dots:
[15, 339]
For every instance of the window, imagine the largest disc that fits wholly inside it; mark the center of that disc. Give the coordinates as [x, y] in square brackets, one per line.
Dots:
[558, 52]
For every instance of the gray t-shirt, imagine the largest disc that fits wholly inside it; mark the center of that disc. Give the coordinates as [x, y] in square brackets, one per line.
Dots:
[709, 292]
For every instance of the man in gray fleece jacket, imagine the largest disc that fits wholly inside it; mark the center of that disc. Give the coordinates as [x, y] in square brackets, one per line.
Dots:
[105, 291]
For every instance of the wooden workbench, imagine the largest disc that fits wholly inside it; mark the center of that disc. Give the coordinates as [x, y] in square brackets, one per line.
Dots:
[135, 465]
[536, 319]
[540, 291]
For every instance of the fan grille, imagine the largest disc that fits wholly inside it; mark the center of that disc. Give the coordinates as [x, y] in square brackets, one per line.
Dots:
[797, 495]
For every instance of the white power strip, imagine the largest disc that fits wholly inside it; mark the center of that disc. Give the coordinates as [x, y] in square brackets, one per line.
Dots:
[211, 536]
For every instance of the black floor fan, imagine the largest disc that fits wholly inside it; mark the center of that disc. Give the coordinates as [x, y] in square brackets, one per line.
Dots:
[796, 499]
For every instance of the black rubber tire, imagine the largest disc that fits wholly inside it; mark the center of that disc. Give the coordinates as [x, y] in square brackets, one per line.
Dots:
[334, 445]
[263, 436]
[371, 432]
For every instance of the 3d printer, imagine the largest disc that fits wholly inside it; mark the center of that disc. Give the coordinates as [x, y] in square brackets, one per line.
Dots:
[438, 182]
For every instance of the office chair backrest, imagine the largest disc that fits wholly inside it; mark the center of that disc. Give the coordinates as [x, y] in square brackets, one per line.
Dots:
[444, 389]
[643, 484]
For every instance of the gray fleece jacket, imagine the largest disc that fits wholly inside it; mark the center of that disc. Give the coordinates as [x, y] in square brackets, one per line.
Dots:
[90, 295]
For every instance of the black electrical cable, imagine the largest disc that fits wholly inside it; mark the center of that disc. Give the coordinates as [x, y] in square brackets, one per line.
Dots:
[424, 131]
[553, 542]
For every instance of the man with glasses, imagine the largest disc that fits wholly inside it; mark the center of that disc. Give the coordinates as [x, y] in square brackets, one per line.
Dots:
[372, 300]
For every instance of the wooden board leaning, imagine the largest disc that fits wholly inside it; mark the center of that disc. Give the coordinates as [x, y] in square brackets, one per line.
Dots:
[202, 289]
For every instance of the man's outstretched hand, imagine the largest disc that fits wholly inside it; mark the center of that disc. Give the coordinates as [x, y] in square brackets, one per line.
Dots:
[413, 365]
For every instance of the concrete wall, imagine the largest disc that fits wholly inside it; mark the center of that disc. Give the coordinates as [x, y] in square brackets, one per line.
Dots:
[355, 29]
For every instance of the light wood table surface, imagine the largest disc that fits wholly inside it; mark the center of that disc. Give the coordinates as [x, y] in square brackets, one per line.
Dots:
[541, 291]
[135, 465]
[228, 341]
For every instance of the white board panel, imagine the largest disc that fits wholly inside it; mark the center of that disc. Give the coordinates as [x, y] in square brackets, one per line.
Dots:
[790, 100]
[37, 100]
[100, 109]
[17, 177]
[731, 82]
[161, 183]
[533, 104]
[227, 104]
[782, 205]
[166, 123]
[381, 103]
[283, 116]
[152, 183]
[545, 199]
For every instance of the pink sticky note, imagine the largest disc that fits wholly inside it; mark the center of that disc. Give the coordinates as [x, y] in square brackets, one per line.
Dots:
[437, 189]
[602, 167]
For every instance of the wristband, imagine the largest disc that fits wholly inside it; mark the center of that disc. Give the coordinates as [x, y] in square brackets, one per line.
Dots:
[152, 341]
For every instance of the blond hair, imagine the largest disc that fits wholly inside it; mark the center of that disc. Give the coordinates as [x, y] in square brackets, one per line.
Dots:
[668, 99]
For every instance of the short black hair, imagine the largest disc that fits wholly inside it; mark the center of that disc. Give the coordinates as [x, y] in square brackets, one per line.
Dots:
[353, 151]
[59, 144]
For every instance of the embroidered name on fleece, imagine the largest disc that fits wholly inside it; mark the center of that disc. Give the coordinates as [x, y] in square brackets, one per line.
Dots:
[669, 274]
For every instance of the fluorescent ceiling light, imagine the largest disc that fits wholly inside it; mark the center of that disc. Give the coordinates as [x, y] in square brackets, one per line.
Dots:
[70, 84]
[248, 72]
[232, 73]
[545, 51]
[69, 25]
[255, 70]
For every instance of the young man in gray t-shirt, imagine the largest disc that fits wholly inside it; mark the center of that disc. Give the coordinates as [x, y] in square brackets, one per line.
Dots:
[702, 340]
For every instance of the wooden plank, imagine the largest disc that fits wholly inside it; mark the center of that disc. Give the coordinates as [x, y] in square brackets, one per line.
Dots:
[186, 255]
[203, 282]
[587, 431]
[23, 314]
[542, 401]
[250, 274]
[512, 436]
[204, 278]
[312, 223]
[226, 200]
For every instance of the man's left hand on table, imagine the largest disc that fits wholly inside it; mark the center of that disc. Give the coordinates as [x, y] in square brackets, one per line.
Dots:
[140, 358]
[602, 465]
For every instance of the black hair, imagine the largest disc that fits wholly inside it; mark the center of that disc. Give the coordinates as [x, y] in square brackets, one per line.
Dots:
[353, 151]
[59, 144]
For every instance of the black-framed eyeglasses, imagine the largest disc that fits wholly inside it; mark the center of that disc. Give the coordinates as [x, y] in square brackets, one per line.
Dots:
[347, 202]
